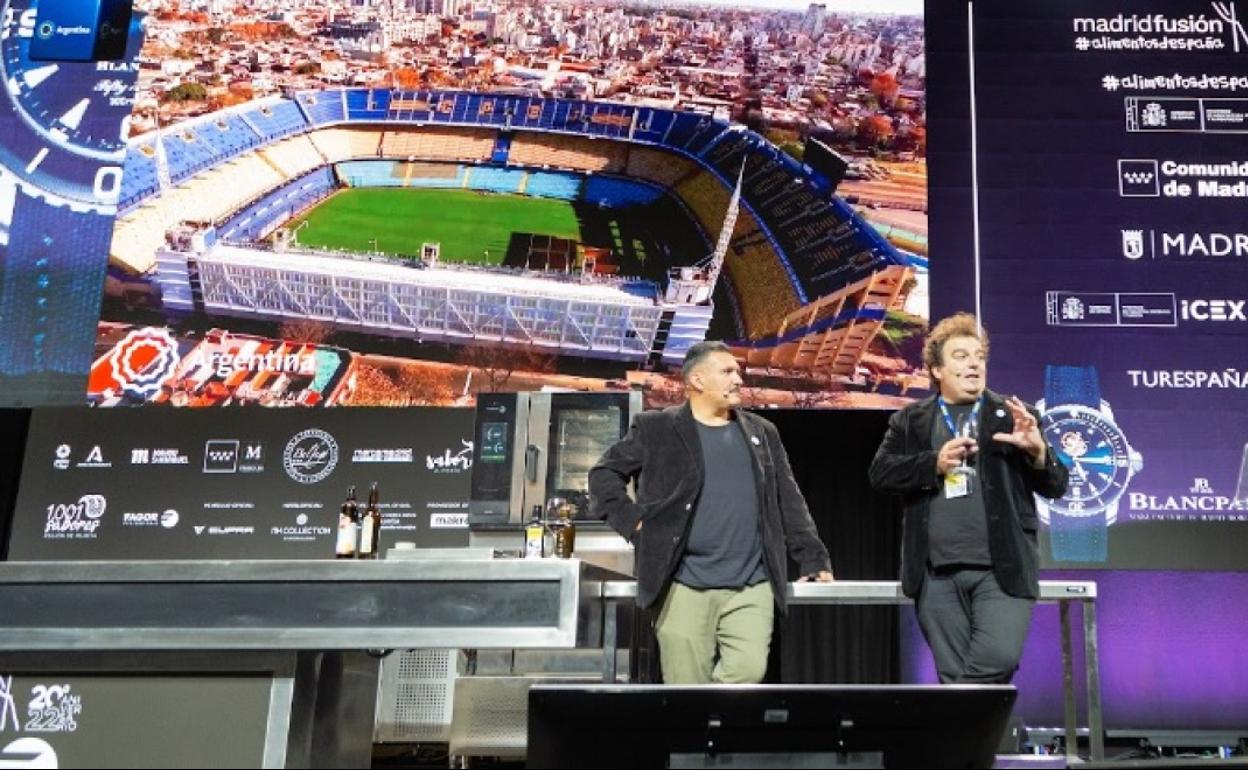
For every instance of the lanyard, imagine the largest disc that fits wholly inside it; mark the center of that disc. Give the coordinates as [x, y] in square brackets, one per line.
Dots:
[973, 419]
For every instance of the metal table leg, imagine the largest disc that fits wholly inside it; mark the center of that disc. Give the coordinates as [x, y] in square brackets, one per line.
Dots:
[1091, 663]
[1068, 684]
[610, 634]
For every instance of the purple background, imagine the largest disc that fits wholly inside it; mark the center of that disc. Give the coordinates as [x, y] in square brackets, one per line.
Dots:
[1171, 642]
[1171, 652]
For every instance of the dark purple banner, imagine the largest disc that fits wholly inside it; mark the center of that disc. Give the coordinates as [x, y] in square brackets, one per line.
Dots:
[1110, 166]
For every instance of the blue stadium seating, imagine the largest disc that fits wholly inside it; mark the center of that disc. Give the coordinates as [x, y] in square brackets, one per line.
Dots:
[653, 125]
[199, 144]
[502, 147]
[139, 177]
[502, 180]
[545, 184]
[821, 243]
[277, 120]
[610, 192]
[322, 107]
[253, 220]
[371, 173]
[703, 135]
[368, 104]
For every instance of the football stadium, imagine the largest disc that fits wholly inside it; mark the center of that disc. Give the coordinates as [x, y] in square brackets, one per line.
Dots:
[584, 228]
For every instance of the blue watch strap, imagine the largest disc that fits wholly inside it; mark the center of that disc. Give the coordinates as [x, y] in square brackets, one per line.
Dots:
[1076, 538]
[1072, 385]
[51, 285]
[1079, 538]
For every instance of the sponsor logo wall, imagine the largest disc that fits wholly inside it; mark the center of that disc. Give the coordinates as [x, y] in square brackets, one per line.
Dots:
[1114, 266]
[245, 483]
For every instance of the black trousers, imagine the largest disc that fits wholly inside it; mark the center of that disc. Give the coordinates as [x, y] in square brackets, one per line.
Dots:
[974, 629]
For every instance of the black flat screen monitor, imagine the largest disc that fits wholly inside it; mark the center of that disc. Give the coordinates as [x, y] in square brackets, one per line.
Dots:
[634, 726]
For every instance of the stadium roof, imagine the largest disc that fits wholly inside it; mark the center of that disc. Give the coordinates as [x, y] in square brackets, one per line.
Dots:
[494, 280]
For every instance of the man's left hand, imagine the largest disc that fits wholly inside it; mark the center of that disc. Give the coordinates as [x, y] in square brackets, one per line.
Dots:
[1026, 435]
[822, 576]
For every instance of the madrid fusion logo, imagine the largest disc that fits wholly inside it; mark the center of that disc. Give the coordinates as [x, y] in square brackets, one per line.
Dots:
[1136, 32]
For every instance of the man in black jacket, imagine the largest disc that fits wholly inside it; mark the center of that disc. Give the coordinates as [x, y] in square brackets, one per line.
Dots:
[716, 507]
[967, 463]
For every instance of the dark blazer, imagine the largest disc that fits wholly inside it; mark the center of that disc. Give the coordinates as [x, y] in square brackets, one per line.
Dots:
[906, 465]
[663, 453]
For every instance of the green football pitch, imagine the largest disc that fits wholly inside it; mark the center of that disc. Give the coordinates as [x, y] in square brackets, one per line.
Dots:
[471, 226]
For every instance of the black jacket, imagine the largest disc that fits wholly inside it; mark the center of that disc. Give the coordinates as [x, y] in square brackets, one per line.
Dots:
[906, 465]
[663, 453]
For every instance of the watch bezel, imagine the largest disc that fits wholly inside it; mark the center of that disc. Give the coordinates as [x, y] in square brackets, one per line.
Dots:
[1121, 454]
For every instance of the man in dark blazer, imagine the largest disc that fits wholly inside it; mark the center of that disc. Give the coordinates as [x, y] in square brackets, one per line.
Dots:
[967, 463]
[716, 506]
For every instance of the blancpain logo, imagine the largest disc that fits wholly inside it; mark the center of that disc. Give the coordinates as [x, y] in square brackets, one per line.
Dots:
[1200, 502]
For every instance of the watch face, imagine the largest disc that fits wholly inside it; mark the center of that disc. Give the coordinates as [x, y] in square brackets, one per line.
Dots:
[68, 135]
[1095, 452]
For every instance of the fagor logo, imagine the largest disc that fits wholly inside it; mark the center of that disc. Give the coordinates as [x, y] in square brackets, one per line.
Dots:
[310, 456]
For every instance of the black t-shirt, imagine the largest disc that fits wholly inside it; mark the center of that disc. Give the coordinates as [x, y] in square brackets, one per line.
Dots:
[725, 546]
[957, 529]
